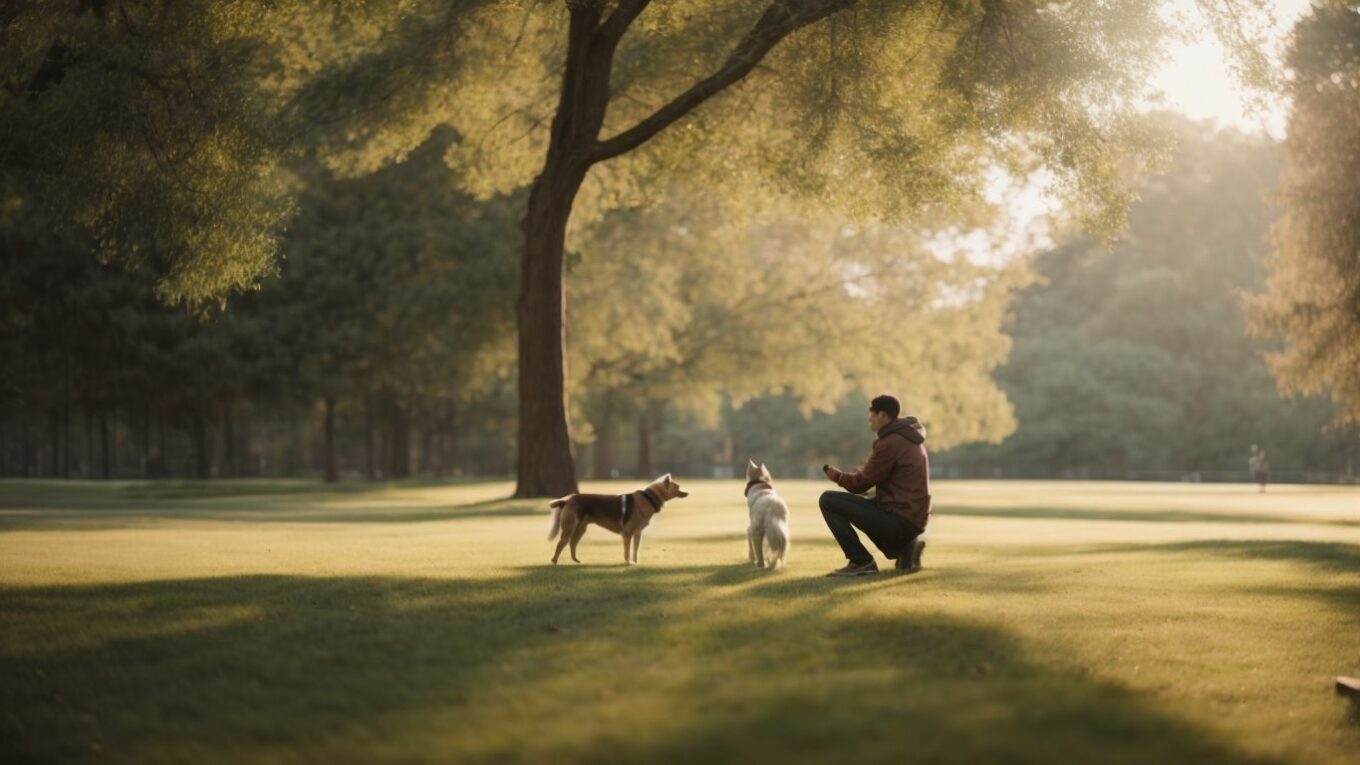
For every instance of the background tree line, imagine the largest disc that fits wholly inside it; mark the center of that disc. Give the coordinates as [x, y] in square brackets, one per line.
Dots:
[380, 345]
[307, 222]
[1137, 360]
[383, 346]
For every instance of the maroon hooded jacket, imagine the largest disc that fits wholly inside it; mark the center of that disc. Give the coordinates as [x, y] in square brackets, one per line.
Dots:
[898, 471]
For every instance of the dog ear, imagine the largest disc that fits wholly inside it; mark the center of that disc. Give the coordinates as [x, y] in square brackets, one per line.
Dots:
[750, 462]
[667, 478]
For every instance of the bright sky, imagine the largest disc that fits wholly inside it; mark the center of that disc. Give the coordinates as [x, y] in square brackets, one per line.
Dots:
[1196, 80]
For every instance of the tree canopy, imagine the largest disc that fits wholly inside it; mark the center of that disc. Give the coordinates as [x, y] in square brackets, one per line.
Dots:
[157, 128]
[1136, 358]
[1313, 300]
[811, 141]
[710, 307]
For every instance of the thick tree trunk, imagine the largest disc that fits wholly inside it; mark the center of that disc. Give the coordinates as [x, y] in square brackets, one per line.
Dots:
[544, 462]
[544, 459]
[331, 474]
[545, 466]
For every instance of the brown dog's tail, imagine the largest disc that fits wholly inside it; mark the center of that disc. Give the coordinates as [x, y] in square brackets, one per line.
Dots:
[556, 527]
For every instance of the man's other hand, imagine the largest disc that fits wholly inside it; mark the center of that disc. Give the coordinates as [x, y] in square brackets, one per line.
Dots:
[831, 472]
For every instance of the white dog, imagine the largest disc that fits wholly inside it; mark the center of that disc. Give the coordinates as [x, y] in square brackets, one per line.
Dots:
[769, 519]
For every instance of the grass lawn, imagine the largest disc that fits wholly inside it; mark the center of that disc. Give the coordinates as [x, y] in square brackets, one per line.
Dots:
[1055, 622]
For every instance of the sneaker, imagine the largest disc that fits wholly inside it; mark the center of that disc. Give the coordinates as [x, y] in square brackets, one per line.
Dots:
[856, 569]
[910, 561]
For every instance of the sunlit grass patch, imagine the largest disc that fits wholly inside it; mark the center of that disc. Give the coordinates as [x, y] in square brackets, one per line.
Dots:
[422, 623]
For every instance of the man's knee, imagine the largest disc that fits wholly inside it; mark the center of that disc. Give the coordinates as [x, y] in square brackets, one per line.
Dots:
[827, 502]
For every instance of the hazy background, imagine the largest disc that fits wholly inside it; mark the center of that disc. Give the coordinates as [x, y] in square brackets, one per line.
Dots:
[703, 328]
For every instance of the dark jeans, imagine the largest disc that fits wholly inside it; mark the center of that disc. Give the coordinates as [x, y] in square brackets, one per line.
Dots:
[844, 512]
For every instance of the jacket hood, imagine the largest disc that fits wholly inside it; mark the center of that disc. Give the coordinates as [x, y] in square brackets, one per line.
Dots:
[909, 428]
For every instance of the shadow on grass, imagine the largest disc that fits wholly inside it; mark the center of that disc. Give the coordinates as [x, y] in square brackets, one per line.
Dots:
[1142, 516]
[569, 664]
[87, 494]
[1326, 557]
[1333, 556]
[100, 511]
[494, 508]
[282, 487]
[801, 581]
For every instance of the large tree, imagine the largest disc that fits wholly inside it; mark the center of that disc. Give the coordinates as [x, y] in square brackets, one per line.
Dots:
[1313, 301]
[873, 108]
[175, 115]
[143, 126]
[158, 130]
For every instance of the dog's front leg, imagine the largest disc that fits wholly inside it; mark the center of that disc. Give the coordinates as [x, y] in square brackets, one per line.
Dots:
[751, 543]
[637, 542]
[627, 549]
[757, 537]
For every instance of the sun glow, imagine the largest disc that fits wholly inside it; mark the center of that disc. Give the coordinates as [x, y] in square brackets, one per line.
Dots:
[1196, 79]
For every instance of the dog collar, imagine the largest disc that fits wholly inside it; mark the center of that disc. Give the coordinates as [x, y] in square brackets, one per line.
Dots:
[655, 500]
[626, 502]
[749, 484]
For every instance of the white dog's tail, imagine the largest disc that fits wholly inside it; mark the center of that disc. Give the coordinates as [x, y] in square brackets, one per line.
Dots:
[777, 537]
[556, 527]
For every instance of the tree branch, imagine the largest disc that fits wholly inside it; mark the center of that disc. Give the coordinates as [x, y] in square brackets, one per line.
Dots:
[611, 31]
[781, 19]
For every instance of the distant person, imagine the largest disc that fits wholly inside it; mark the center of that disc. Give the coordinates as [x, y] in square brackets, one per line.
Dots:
[895, 518]
[1260, 466]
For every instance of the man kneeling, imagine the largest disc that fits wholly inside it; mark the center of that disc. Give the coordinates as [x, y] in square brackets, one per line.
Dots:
[896, 516]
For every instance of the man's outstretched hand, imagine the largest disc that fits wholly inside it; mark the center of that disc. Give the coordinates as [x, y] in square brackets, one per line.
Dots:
[831, 472]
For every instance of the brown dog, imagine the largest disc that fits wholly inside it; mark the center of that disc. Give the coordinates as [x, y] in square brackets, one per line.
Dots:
[626, 514]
